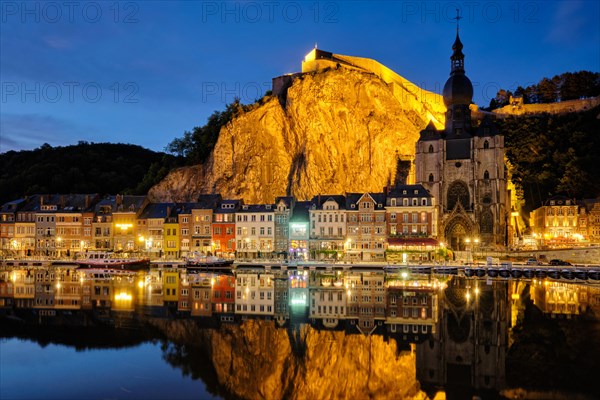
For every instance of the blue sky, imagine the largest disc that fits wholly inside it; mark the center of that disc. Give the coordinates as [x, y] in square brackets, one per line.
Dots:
[144, 72]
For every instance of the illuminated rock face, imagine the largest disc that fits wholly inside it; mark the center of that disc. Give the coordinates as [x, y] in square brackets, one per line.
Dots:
[332, 131]
[256, 360]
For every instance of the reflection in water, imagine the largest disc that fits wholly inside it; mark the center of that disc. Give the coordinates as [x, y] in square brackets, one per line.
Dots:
[324, 334]
[468, 350]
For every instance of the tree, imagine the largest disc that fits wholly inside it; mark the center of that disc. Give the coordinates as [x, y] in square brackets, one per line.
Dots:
[197, 145]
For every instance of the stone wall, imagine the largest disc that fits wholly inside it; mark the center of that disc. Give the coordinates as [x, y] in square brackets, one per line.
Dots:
[550, 108]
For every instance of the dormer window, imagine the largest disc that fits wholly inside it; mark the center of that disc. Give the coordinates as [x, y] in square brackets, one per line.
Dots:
[245, 207]
[404, 192]
[416, 191]
[393, 202]
[353, 206]
[268, 207]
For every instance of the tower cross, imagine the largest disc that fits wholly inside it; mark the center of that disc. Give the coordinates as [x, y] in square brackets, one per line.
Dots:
[457, 18]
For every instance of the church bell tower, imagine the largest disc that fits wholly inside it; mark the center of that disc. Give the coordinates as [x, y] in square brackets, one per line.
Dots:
[462, 166]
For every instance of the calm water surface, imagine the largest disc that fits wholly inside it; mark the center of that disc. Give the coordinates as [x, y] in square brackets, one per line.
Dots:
[31, 371]
[435, 337]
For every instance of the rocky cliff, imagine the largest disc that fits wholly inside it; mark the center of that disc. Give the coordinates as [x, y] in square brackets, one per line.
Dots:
[332, 130]
[256, 360]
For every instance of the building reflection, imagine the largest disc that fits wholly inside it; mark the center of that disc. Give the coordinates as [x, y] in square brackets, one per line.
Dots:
[468, 350]
[446, 333]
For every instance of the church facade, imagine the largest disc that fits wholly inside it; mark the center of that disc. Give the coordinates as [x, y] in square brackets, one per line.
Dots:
[463, 167]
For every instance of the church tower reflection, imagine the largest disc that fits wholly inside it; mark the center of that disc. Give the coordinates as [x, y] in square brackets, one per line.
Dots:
[468, 350]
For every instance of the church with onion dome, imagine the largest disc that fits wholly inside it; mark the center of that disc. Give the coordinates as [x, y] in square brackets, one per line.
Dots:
[463, 167]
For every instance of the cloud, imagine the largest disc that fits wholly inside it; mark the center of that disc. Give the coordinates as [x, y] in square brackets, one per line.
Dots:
[28, 131]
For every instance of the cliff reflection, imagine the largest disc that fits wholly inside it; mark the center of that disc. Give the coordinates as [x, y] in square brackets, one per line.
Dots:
[257, 360]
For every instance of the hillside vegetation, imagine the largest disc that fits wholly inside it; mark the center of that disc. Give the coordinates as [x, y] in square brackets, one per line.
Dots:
[82, 168]
[553, 154]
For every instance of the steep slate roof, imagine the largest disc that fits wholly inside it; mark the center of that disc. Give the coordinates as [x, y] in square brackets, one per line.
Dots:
[157, 210]
[398, 191]
[67, 202]
[128, 203]
[354, 198]
[208, 201]
[236, 206]
[560, 198]
[32, 204]
[300, 213]
[254, 208]
[12, 206]
[318, 201]
[288, 200]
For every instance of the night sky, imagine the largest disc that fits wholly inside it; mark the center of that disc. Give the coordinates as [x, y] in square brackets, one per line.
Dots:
[144, 72]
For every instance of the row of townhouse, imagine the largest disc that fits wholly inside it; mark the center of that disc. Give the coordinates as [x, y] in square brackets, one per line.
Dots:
[326, 298]
[564, 222]
[356, 226]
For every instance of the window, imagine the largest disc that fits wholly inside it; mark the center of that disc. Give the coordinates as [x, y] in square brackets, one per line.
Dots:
[430, 177]
[431, 148]
[486, 175]
[458, 192]
[486, 145]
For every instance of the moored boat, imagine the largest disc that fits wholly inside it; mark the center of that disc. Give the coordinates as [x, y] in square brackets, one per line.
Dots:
[492, 272]
[554, 273]
[516, 273]
[567, 273]
[504, 272]
[207, 262]
[108, 260]
[541, 273]
[594, 274]
[581, 274]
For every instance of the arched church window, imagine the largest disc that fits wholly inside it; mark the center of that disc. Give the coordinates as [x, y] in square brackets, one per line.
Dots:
[486, 145]
[486, 224]
[486, 175]
[458, 192]
[431, 148]
[430, 177]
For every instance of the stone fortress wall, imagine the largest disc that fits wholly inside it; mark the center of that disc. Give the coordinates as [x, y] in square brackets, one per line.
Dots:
[431, 104]
[518, 108]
